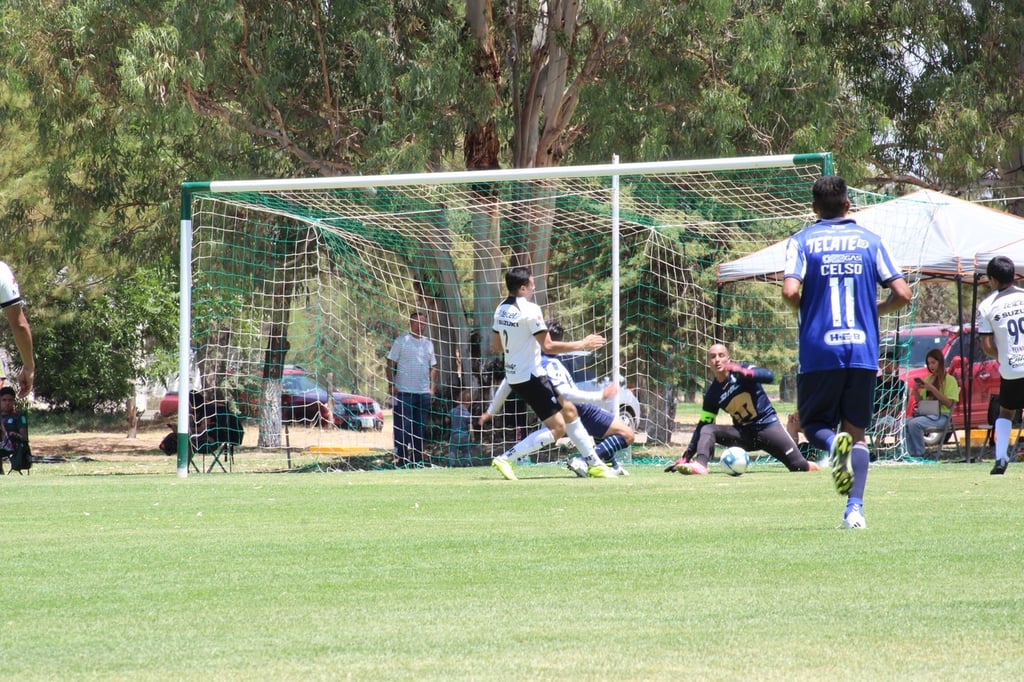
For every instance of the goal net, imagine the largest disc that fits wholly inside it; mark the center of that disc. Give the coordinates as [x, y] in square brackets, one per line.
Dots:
[294, 290]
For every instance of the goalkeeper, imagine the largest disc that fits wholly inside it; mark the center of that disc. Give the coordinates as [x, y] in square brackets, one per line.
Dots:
[736, 389]
[612, 433]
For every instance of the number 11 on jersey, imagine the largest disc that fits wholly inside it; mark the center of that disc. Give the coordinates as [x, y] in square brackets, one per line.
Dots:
[841, 289]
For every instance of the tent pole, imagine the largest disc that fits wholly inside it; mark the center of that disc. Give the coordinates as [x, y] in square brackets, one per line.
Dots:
[974, 334]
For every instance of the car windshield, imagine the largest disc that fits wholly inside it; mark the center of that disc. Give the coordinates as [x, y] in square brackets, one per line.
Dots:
[920, 344]
[965, 340]
[299, 383]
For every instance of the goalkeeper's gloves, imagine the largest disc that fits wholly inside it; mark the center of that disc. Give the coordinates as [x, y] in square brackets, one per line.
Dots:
[687, 456]
[742, 371]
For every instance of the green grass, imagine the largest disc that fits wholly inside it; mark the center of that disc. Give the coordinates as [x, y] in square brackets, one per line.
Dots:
[438, 574]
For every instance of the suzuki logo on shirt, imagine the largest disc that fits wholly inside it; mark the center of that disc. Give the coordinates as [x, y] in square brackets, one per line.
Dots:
[841, 337]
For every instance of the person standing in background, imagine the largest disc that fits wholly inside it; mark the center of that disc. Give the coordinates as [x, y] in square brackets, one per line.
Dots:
[412, 381]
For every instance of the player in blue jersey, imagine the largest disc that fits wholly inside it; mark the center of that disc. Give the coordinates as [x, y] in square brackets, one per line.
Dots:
[833, 270]
[736, 390]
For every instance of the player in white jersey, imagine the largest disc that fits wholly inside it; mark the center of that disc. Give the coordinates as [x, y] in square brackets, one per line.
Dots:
[1000, 326]
[613, 433]
[14, 308]
[521, 335]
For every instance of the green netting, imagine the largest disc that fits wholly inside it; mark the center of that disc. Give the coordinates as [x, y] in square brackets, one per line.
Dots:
[326, 278]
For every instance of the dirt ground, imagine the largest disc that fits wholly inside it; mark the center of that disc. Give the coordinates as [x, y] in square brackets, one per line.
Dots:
[116, 445]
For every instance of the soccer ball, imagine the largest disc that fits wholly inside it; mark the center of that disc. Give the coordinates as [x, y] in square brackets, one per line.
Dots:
[735, 460]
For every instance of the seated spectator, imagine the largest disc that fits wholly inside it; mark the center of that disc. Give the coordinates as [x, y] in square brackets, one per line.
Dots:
[937, 387]
[11, 421]
[13, 425]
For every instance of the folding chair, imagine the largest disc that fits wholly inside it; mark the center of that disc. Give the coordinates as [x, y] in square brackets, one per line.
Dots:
[944, 433]
[224, 431]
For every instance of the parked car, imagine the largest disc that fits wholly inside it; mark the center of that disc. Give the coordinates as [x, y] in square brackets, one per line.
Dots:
[303, 400]
[168, 404]
[357, 412]
[983, 384]
[582, 369]
[921, 338]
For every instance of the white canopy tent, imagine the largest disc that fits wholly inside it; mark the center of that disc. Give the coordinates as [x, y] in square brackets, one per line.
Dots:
[956, 239]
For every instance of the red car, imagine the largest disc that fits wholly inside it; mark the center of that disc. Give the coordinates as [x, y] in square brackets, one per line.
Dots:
[304, 400]
[983, 375]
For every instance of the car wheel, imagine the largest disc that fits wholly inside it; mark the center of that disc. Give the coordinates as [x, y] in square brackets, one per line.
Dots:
[626, 415]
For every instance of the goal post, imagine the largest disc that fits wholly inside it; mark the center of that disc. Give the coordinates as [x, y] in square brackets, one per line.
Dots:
[323, 273]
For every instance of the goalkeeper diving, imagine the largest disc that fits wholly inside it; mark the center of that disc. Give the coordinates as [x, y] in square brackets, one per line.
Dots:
[736, 390]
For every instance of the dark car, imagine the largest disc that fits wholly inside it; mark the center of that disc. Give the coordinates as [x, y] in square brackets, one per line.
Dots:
[303, 400]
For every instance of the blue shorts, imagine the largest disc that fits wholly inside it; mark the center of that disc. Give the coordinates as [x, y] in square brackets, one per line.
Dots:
[834, 395]
[595, 420]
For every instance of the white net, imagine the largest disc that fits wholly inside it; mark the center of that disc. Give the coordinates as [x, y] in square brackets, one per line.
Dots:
[325, 279]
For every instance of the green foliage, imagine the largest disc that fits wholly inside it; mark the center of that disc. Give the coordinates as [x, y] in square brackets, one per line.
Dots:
[105, 110]
[104, 340]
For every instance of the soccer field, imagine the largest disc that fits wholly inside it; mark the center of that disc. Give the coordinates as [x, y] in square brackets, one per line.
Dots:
[458, 574]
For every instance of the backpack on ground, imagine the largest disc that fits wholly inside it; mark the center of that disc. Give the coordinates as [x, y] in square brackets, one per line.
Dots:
[21, 456]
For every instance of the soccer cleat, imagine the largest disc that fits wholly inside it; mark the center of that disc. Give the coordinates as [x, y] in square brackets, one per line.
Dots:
[1000, 467]
[600, 471]
[578, 466]
[619, 469]
[505, 468]
[812, 466]
[674, 466]
[854, 519]
[842, 468]
[692, 469]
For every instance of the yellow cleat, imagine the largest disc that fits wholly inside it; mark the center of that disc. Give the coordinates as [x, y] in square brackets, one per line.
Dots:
[505, 468]
[600, 471]
[842, 468]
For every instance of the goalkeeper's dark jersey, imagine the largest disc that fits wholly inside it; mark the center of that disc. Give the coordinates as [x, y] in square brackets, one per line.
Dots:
[742, 398]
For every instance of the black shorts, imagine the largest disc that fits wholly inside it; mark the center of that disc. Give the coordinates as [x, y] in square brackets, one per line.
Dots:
[540, 395]
[832, 396]
[1011, 393]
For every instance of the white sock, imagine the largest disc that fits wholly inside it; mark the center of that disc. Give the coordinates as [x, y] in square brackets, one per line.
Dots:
[581, 439]
[1002, 437]
[532, 443]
